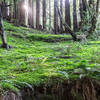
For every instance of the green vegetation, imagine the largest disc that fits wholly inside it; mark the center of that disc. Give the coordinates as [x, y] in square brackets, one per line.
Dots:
[36, 59]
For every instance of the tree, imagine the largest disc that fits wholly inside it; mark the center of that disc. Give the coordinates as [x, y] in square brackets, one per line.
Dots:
[21, 13]
[2, 32]
[94, 16]
[30, 13]
[67, 27]
[67, 13]
[10, 10]
[15, 10]
[37, 14]
[75, 25]
[55, 17]
[61, 10]
[44, 14]
[49, 14]
[81, 11]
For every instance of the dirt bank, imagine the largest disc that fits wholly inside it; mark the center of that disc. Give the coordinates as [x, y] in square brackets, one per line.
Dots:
[82, 89]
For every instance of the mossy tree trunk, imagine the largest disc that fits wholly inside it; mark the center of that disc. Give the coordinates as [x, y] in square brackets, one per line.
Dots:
[94, 17]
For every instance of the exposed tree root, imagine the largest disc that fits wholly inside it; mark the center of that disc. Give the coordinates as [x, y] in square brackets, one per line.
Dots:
[80, 89]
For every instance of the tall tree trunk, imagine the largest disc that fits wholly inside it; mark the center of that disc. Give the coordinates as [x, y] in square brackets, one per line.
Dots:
[2, 32]
[84, 5]
[37, 14]
[30, 22]
[75, 26]
[61, 10]
[81, 9]
[15, 12]
[74, 36]
[55, 17]
[21, 13]
[10, 10]
[49, 14]
[32, 13]
[97, 6]
[67, 13]
[44, 14]
[26, 12]
[81, 14]
[3, 8]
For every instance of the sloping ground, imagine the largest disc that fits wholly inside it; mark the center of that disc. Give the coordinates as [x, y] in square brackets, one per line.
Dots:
[37, 64]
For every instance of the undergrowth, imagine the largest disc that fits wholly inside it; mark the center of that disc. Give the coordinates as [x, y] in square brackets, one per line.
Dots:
[33, 60]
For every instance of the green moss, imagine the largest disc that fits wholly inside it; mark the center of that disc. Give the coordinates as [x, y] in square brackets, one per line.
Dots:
[35, 62]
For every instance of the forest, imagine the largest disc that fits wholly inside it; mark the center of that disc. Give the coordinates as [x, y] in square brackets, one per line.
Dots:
[49, 49]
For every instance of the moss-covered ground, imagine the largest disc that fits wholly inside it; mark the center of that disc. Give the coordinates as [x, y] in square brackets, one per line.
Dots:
[37, 57]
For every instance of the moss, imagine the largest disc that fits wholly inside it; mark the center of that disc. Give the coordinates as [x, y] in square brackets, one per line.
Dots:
[31, 63]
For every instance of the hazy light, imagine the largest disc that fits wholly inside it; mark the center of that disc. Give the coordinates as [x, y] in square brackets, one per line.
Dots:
[25, 7]
[69, 1]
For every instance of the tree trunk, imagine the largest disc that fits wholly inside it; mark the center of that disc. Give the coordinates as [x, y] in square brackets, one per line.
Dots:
[94, 19]
[49, 14]
[55, 17]
[67, 13]
[32, 13]
[84, 5]
[10, 11]
[15, 10]
[37, 13]
[61, 10]
[74, 36]
[21, 13]
[81, 10]
[44, 14]
[97, 6]
[2, 32]
[75, 26]
[30, 21]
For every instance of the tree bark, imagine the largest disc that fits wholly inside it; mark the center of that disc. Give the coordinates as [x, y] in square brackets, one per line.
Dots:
[44, 14]
[21, 13]
[67, 27]
[37, 14]
[61, 10]
[30, 20]
[81, 9]
[49, 14]
[55, 17]
[2, 32]
[15, 10]
[93, 19]
[97, 6]
[10, 11]
[32, 13]
[75, 25]
[67, 13]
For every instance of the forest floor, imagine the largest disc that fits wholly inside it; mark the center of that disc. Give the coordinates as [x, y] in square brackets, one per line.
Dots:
[38, 58]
